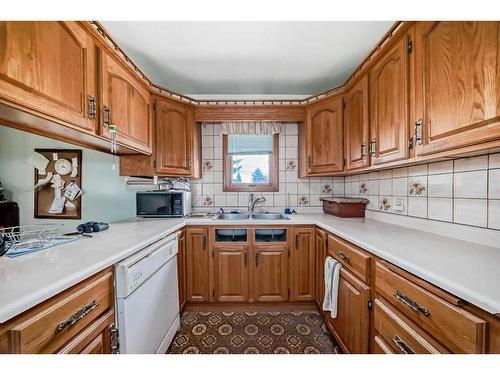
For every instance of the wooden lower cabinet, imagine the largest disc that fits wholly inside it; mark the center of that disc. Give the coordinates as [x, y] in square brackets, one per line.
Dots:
[320, 256]
[77, 320]
[399, 334]
[351, 326]
[271, 273]
[303, 260]
[197, 267]
[181, 268]
[96, 339]
[230, 273]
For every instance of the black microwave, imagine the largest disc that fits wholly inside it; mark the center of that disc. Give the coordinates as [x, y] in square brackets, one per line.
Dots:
[163, 203]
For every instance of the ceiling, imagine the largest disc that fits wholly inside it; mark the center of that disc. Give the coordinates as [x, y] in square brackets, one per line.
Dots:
[232, 59]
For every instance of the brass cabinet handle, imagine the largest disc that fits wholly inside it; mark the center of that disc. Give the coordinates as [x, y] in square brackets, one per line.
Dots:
[343, 256]
[190, 161]
[106, 116]
[245, 259]
[256, 259]
[91, 107]
[410, 303]
[403, 346]
[204, 242]
[76, 317]
[297, 241]
[309, 161]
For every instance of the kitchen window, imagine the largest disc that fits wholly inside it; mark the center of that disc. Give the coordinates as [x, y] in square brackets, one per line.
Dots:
[250, 162]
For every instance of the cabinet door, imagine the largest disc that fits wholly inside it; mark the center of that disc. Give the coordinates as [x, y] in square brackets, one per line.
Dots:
[389, 94]
[181, 268]
[351, 326]
[457, 81]
[320, 253]
[197, 273]
[129, 105]
[357, 125]
[303, 265]
[231, 273]
[50, 68]
[95, 339]
[325, 144]
[271, 273]
[174, 138]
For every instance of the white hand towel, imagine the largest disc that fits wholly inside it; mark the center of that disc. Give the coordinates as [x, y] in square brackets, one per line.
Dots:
[332, 274]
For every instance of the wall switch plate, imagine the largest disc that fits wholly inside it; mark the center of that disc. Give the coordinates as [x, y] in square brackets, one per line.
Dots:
[399, 205]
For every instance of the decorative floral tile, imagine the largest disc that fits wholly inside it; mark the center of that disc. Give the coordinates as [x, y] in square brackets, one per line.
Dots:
[208, 201]
[326, 189]
[416, 188]
[363, 189]
[385, 204]
[207, 165]
[291, 165]
[303, 201]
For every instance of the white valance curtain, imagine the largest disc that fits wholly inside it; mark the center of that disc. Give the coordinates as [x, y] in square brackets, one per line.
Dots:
[258, 128]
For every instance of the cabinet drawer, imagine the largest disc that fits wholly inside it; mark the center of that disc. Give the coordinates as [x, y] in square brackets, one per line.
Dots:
[94, 339]
[380, 346]
[48, 326]
[457, 329]
[400, 336]
[351, 257]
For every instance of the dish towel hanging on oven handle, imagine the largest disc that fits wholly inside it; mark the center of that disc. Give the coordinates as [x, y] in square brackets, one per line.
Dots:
[332, 275]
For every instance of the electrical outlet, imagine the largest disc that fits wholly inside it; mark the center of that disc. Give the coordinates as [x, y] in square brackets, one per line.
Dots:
[399, 205]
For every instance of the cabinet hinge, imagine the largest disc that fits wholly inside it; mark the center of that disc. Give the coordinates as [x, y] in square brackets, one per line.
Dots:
[418, 132]
[343, 105]
[410, 143]
[345, 162]
[289, 293]
[410, 46]
[154, 164]
[370, 304]
[213, 293]
[154, 106]
[91, 107]
[106, 116]
[372, 147]
[114, 339]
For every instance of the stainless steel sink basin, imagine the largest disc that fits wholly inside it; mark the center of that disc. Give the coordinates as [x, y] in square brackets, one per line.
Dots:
[269, 216]
[255, 216]
[233, 216]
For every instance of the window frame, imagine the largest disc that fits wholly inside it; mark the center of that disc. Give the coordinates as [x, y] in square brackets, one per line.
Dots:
[229, 186]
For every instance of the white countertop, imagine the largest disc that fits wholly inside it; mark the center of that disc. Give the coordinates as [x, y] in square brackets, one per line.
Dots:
[465, 269]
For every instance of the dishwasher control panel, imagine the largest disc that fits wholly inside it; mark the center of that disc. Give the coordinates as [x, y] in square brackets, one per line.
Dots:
[135, 270]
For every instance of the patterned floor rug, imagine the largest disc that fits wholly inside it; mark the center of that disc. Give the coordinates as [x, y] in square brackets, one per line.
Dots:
[253, 333]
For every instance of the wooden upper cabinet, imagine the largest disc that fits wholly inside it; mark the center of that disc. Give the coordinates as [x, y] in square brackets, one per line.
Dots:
[303, 265]
[357, 125]
[351, 326]
[324, 143]
[49, 68]
[231, 273]
[197, 267]
[457, 82]
[389, 109]
[126, 101]
[270, 273]
[175, 139]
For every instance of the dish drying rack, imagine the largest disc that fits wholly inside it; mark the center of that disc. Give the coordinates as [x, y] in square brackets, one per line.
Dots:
[26, 239]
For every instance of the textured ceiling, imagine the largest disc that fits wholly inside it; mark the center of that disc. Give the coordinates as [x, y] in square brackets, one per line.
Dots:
[247, 58]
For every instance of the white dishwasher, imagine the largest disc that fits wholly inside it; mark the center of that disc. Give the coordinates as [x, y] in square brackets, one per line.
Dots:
[148, 298]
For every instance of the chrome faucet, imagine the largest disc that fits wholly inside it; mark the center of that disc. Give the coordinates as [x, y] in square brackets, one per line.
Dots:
[252, 202]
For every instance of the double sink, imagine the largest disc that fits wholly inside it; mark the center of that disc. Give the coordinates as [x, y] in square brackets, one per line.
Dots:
[250, 216]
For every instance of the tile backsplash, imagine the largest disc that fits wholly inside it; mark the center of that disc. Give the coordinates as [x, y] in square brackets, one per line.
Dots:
[463, 191]
[303, 192]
